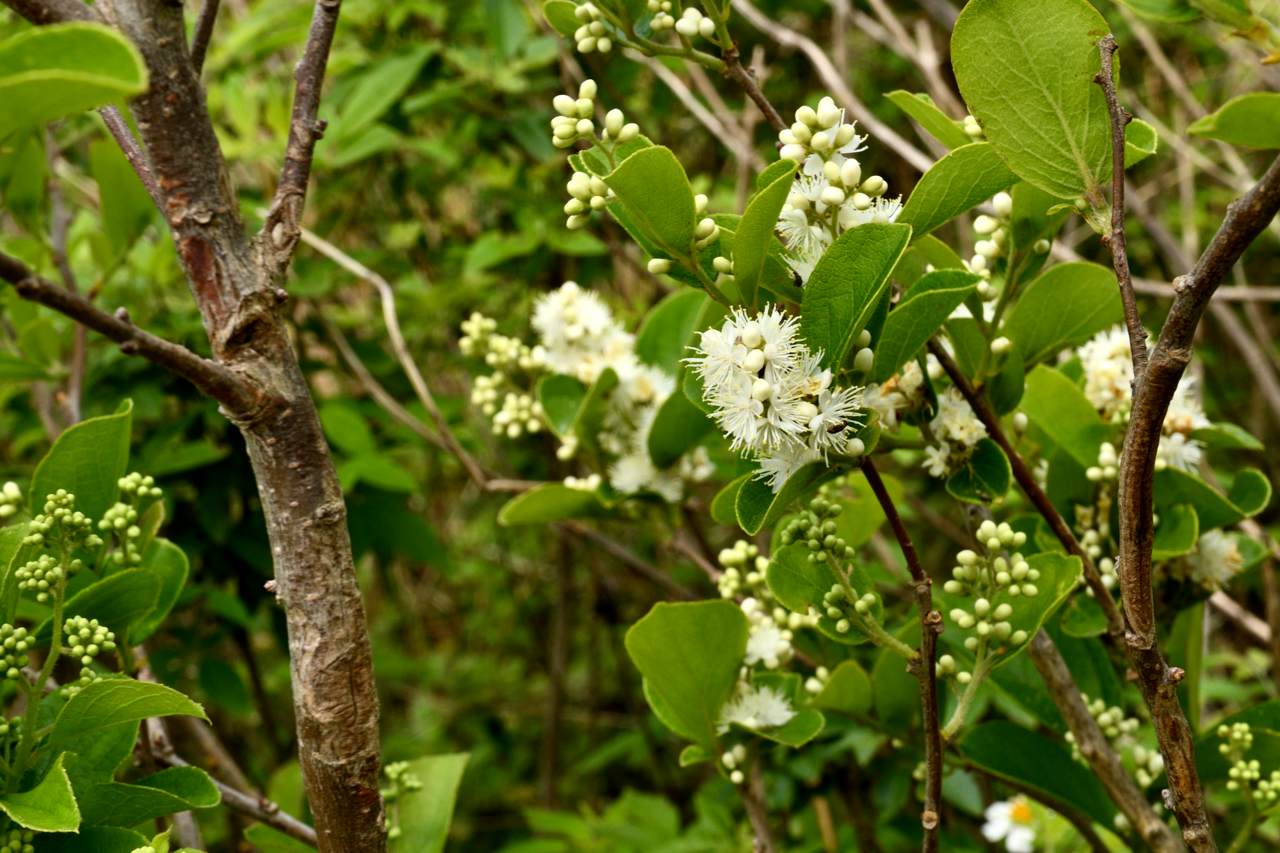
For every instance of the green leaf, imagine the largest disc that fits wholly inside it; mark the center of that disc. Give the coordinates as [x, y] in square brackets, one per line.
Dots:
[425, 814]
[48, 807]
[1032, 760]
[587, 423]
[549, 502]
[1026, 68]
[1057, 406]
[689, 655]
[1250, 493]
[800, 584]
[1176, 532]
[926, 113]
[1227, 436]
[126, 207]
[754, 236]
[560, 15]
[346, 428]
[847, 691]
[106, 802]
[167, 563]
[757, 506]
[268, 840]
[1140, 142]
[985, 477]
[922, 311]
[561, 397]
[99, 839]
[377, 89]
[958, 182]
[110, 701]
[1083, 617]
[676, 429]
[1066, 306]
[88, 459]
[724, 505]
[846, 285]
[664, 335]
[654, 190]
[1251, 120]
[1164, 11]
[694, 754]
[52, 71]
[119, 601]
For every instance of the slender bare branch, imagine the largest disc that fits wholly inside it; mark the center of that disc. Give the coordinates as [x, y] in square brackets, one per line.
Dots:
[204, 32]
[1115, 240]
[734, 70]
[215, 380]
[925, 667]
[120, 132]
[52, 11]
[280, 232]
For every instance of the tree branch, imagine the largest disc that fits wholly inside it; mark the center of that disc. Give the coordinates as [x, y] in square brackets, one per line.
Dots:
[53, 11]
[235, 393]
[1115, 240]
[1045, 655]
[254, 806]
[734, 70]
[203, 33]
[1246, 218]
[925, 666]
[280, 232]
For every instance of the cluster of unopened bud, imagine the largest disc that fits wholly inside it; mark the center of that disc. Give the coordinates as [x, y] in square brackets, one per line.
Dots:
[401, 780]
[476, 330]
[587, 193]
[662, 19]
[1113, 723]
[733, 760]
[589, 483]
[85, 639]
[744, 570]
[121, 519]
[19, 840]
[1108, 467]
[836, 602]
[520, 413]
[10, 500]
[972, 129]
[574, 121]
[816, 528]
[985, 575]
[694, 23]
[1149, 764]
[140, 487]
[593, 35]
[14, 643]
[43, 575]
[822, 131]
[706, 231]
[61, 523]
[817, 682]
[1246, 773]
[993, 235]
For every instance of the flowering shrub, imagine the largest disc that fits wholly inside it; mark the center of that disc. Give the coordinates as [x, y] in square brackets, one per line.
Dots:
[826, 332]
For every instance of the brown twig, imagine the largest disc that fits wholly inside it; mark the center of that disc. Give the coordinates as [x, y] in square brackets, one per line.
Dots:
[1044, 654]
[734, 70]
[52, 11]
[1245, 220]
[1115, 240]
[120, 132]
[212, 378]
[925, 667]
[203, 33]
[280, 231]
[753, 801]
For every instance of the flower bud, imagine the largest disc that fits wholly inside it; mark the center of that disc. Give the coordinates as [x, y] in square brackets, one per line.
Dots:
[1003, 204]
[658, 266]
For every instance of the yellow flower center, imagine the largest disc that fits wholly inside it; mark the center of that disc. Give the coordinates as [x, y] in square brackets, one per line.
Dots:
[1020, 812]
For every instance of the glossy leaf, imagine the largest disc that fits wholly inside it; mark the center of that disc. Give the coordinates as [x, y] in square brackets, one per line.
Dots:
[922, 311]
[801, 584]
[758, 506]
[1251, 120]
[425, 813]
[663, 338]
[561, 397]
[1065, 306]
[88, 460]
[689, 654]
[844, 288]
[549, 502]
[926, 113]
[958, 182]
[1058, 407]
[848, 690]
[651, 185]
[1026, 68]
[48, 807]
[985, 477]
[676, 429]
[754, 236]
[111, 701]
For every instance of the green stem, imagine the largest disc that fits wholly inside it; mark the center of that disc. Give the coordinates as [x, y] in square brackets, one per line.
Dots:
[34, 691]
[870, 626]
[981, 668]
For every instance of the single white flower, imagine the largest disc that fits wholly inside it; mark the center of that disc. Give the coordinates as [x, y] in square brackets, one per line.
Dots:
[778, 467]
[1216, 560]
[937, 459]
[756, 708]
[1011, 822]
[955, 421]
[767, 643]
[1178, 451]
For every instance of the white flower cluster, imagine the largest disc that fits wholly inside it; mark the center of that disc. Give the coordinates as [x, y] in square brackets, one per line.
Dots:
[830, 196]
[593, 35]
[1215, 561]
[771, 396]
[579, 337]
[1108, 386]
[755, 707]
[772, 626]
[900, 392]
[955, 430]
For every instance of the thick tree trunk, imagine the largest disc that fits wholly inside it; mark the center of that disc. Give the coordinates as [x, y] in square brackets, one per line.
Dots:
[235, 284]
